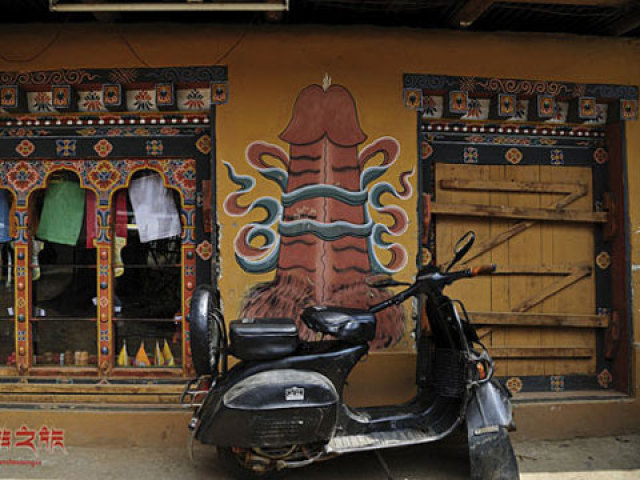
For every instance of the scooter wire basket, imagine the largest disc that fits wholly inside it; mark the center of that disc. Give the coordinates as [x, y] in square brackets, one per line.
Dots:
[449, 372]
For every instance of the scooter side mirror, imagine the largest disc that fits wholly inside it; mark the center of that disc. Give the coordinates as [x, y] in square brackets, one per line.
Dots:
[462, 246]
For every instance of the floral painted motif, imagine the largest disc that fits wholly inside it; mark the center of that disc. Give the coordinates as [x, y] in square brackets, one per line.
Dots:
[522, 109]
[169, 131]
[557, 157]
[9, 96]
[112, 95]
[458, 102]
[412, 98]
[507, 105]
[204, 250]
[475, 109]
[556, 383]
[600, 156]
[195, 100]
[470, 155]
[185, 177]
[514, 385]
[154, 147]
[42, 102]
[66, 148]
[104, 175]
[143, 101]
[25, 148]
[605, 378]
[427, 150]
[164, 94]
[23, 177]
[603, 260]
[92, 102]
[103, 148]
[203, 144]
[430, 106]
[219, 93]
[513, 156]
[61, 96]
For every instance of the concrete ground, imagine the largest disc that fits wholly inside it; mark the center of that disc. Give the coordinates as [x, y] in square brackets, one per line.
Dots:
[615, 458]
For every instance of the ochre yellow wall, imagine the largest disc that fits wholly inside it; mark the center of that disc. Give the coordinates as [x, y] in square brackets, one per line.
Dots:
[268, 66]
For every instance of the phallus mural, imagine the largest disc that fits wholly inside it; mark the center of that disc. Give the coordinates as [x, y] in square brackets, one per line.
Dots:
[320, 236]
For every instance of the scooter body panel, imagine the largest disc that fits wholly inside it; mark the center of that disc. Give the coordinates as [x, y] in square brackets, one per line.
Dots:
[276, 408]
[254, 391]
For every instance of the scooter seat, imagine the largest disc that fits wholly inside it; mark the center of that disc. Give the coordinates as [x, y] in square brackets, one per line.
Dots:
[348, 324]
[263, 338]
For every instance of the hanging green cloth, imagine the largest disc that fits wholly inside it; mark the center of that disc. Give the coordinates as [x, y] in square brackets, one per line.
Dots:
[62, 213]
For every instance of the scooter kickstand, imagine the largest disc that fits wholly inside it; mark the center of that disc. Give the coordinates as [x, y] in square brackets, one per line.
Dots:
[383, 464]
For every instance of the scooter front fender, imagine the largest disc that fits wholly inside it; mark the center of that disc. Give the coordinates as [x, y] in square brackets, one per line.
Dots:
[489, 415]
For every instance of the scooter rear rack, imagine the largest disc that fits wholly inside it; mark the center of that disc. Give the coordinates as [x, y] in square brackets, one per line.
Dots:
[195, 391]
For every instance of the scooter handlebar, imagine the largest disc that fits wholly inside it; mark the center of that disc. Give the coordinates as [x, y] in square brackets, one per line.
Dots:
[483, 270]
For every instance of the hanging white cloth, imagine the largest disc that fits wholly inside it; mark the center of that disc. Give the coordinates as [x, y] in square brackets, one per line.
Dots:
[154, 209]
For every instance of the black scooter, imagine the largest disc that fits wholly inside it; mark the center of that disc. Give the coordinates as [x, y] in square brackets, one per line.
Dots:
[282, 407]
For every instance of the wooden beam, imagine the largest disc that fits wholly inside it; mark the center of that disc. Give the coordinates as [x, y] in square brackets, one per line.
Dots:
[507, 186]
[540, 352]
[474, 9]
[577, 3]
[537, 269]
[552, 289]
[470, 12]
[522, 213]
[85, 398]
[519, 319]
[96, 389]
[626, 24]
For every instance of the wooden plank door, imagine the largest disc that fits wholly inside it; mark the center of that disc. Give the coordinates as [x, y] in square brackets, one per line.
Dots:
[538, 312]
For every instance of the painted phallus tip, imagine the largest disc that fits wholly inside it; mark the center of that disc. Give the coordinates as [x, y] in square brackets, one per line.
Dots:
[318, 112]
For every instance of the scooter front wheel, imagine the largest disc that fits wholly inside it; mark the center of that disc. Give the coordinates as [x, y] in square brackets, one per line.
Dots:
[243, 465]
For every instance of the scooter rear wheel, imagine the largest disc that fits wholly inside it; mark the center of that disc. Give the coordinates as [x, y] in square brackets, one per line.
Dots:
[235, 463]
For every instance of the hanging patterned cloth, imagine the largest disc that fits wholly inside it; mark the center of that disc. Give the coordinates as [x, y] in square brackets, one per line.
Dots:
[154, 208]
[5, 222]
[91, 219]
[121, 231]
[62, 213]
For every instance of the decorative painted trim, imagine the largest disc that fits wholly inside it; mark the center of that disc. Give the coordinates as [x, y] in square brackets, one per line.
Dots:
[9, 96]
[587, 108]
[458, 102]
[556, 157]
[601, 156]
[629, 109]
[412, 98]
[61, 97]
[522, 88]
[546, 106]
[165, 96]
[605, 378]
[112, 97]
[514, 385]
[199, 74]
[603, 260]
[219, 93]
[556, 383]
[507, 104]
